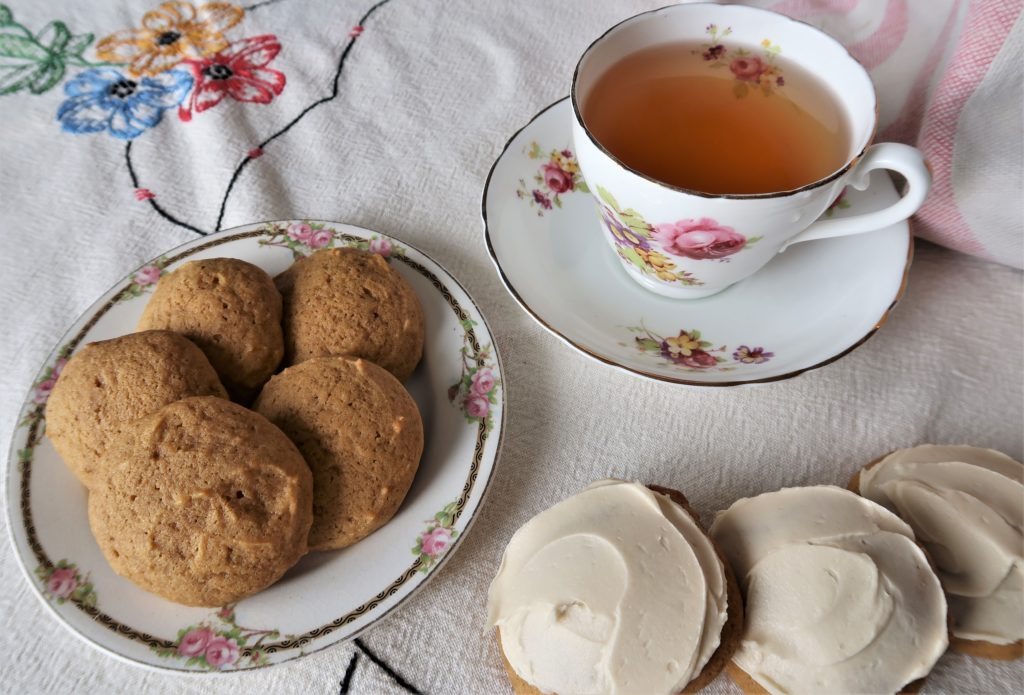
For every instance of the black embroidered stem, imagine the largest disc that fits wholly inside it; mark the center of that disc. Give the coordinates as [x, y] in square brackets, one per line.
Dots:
[346, 682]
[402, 683]
[257, 5]
[302, 114]
[155, 205]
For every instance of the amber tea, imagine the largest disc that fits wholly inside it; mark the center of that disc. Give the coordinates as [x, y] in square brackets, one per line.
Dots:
[718, 118]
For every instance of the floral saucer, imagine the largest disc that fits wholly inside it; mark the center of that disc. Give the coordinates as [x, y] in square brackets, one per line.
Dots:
[327, 597]
[808, 307]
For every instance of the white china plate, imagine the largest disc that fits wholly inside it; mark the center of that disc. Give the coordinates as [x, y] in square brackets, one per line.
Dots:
[808, 307]
[327, 597]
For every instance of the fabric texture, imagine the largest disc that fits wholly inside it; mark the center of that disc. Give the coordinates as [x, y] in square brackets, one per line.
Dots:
[257, 122]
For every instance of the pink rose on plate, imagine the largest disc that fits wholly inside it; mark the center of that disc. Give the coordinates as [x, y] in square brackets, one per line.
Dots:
[320, 238]
[699, 239]
[221, 652]
[300, 232]
[748, 69]
[62, 582]
[195, 641]
[147, 275]
[435, 542]
[381, 247]
[698, 359]
[44, 389]
[483, 381]
[557, 180]
[477, 405]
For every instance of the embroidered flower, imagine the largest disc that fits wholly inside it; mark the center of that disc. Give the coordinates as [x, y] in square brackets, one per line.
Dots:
[171, 33]
[195, 641]
[699, 239]
[749, 355]
[105, 99]
[239, 72]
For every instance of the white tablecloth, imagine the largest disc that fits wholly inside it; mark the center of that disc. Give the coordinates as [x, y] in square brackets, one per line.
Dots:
[427, 97]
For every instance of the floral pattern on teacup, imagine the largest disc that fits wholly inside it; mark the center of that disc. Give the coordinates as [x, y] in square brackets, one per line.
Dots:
[476, 391]
[699, 239]
[749, 71]
[219, 643]
[692, 353]
[303, 238]
[63, 582]
[840, 203]
[435, 540]
[559, 174]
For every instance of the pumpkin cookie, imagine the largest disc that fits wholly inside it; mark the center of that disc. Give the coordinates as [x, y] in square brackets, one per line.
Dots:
[361, 434]
[231, 310]
[203, 503]
[111, 383]
[966, 506]
[351, 302]
[616, 589]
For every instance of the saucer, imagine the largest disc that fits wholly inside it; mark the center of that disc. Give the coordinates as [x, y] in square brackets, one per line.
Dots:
[811, 305]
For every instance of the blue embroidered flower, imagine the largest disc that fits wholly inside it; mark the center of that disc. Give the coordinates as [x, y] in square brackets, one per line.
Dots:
[105, 99]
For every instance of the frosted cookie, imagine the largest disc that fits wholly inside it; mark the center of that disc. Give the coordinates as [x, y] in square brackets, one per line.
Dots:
[108, 384]
[614, 590]
[966, 506]
[361, 434]
[838, 596]
[203, 503]
[231, 310]
[351, 302]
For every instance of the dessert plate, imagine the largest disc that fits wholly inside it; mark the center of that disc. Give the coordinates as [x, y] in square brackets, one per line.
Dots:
[328, 596]
[808, 307]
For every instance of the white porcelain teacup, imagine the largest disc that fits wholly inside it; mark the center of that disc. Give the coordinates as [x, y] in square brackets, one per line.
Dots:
[688, 244]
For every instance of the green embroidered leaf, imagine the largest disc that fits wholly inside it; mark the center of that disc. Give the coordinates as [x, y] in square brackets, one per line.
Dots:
[55, 36]
[5, 15]
[16, 49]
[77, 45]
[13, 79]
[44, 79]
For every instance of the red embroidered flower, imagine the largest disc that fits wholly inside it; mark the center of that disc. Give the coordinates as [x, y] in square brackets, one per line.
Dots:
[239, 71]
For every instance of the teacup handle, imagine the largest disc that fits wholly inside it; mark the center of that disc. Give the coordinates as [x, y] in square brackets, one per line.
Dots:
[903, 159]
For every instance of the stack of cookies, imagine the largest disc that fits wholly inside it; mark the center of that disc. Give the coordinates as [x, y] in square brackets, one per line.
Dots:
[203, 500]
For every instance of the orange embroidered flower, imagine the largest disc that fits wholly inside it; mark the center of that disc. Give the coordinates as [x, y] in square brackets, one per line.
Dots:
[171, 33]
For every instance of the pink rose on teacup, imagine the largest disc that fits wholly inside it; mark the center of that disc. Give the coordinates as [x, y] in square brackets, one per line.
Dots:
[435, 542]
[748, 69]
[147, 275]
[699, 239]
[62, 582]
[221, 652]
[319, 239]
[381, 247]
[483, 381]
[195, 641]
[477, 405]
[557, 179]
[300, 232]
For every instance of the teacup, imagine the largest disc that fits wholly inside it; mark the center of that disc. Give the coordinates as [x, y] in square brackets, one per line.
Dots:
[688, 244]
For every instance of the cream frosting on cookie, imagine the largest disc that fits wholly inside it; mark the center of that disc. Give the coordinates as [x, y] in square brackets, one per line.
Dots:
[839, 597]
[614, 590]
[966, 506]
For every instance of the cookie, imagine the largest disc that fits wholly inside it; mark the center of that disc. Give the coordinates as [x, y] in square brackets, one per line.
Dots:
[361, 434]
[964, 505]
[551, 577]
[231, 310]
[111, 383]
[351, 302]
[203, 502]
